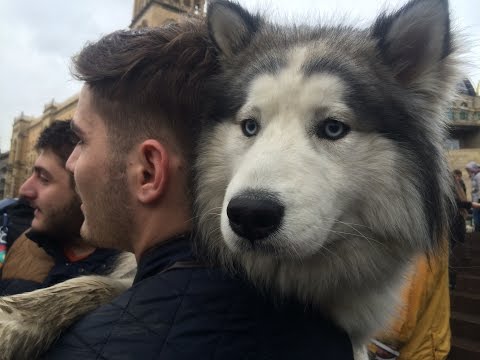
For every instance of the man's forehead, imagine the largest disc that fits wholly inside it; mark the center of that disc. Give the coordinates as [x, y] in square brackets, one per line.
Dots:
[49, 161]
[75, 126]
[85, 116]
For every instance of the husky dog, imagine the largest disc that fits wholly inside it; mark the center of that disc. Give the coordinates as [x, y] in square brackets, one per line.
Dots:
[322, 173]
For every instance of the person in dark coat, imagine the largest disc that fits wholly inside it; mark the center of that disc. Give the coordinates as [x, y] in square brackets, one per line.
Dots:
[457, 174]
[138, 118]
[52, 251]
[180, 309]
[15, 217]
[458, 227]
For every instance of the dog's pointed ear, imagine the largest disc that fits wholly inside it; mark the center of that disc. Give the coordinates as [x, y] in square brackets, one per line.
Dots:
[415, 38]
[231, 27]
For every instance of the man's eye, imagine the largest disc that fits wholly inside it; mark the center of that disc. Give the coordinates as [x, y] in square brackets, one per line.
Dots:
[44, 180]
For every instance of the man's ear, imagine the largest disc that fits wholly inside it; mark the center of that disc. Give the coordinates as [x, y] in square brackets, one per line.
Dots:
[152, 172]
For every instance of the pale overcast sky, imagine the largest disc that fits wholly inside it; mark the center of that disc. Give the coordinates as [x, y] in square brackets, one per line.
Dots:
[37, 39]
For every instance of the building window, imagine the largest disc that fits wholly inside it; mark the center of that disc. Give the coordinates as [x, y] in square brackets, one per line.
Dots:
[463, 115]
[450, 115]
[196, 7]
[464, 104]
[452, 144]
[478, 115]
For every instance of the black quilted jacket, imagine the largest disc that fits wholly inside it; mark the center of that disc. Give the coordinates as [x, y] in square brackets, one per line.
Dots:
[196, 312]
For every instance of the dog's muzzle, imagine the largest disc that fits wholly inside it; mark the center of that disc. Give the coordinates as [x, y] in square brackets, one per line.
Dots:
[255, 215]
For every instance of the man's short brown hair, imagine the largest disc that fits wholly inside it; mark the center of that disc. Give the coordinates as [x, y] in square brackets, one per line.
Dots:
[151, 80]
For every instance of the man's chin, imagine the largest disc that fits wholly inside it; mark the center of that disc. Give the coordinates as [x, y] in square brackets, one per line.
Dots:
[87, 236]
[84, 233]
[37, 226]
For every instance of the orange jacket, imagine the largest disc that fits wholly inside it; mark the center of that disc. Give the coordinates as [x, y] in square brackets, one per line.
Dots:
[421, 330]
[25, 260]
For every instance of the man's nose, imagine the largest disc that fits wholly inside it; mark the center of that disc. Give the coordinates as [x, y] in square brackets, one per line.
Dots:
[72, 160]
[27, 190]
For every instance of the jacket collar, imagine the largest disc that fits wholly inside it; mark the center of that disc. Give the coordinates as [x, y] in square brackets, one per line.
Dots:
[44, 241]
[54, 249]
[164, 255]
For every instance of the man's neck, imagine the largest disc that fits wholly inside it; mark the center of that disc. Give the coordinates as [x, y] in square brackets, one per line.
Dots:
[154, 232]
[77, 248]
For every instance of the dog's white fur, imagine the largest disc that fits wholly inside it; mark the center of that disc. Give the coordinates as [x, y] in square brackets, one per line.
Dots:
[317, 189]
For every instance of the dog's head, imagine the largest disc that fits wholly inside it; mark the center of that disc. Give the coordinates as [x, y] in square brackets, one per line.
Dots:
[327, 139]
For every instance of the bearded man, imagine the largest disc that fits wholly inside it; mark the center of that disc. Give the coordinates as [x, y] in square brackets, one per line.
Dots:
[52, 250]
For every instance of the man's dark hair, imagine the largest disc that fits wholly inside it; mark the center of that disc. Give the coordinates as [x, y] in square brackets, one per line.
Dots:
[457, 172]
[59, 139]
[149, 82]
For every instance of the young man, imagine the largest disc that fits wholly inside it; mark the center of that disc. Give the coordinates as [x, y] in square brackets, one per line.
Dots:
[52, 250]
[138, 119]
[458, 176]
[473, 170]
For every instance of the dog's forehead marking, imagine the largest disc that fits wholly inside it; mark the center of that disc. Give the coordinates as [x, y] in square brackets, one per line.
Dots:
[291, 90]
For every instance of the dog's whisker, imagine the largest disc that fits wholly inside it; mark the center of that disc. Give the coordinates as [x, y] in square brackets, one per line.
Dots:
[369, 239]
[345, 223]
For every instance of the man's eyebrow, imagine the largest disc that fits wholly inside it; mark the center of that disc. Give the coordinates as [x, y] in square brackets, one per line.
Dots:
[41, 170]
[76, 129]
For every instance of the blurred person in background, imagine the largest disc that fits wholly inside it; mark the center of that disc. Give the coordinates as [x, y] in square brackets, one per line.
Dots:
[459, 177]
[473, 170]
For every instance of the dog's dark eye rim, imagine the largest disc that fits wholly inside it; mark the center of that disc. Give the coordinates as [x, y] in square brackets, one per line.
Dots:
[247, 129]
[323, 132]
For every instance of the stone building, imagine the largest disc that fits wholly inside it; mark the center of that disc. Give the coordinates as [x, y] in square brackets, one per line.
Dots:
[26, 129]
[25, 133]
[3, 172]
[154, 12]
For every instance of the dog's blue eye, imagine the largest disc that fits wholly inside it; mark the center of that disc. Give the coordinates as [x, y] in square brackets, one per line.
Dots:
[332, 129]
[250, 127]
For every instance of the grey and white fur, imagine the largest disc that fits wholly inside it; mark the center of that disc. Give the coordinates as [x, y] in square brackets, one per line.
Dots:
[320, 171]
[31, 322]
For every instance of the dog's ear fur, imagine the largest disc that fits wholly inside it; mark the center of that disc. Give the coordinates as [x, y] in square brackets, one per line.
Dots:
[231, 27]
[415, 38]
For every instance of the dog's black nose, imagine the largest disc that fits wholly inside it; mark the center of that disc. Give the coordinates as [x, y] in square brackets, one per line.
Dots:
[255, 216]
